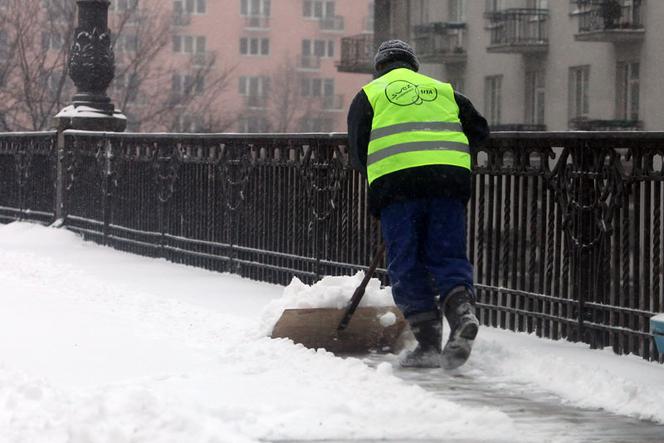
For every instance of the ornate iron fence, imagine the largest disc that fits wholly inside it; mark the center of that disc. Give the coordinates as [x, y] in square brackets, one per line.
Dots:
[27, 176]
[565, 229]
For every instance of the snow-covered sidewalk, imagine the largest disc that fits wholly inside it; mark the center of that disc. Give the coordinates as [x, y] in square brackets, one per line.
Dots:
[101, 346]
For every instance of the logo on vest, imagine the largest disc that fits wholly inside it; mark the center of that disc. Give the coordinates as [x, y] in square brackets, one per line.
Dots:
[405, 93]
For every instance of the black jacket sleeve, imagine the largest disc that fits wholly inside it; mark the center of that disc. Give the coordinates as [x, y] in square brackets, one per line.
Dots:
[360, 115]
[474, 125]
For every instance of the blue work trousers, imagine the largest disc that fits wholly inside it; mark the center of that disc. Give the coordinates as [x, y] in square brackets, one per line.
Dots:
[426, 251]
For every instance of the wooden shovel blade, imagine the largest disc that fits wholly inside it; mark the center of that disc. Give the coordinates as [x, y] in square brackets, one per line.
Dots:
[317, 328]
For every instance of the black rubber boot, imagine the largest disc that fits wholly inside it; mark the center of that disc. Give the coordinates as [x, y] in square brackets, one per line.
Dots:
[428, 330]
[459, 309]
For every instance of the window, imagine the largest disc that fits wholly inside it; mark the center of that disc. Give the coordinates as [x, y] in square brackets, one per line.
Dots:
[187, 84]
[534, 97]
[537, 4]
[254, 46]
[254, 123]
[126, 85]
[456, 11]
[52, 41]
[189, 44]
[318, 48]
[492, 98]
[317, 8]
[255, 8]
[53, 82]
[493, 5]
[190, 6]
[254, 86]
[579, 106]
[316, 87]
[316, 124]
[126, 43]
[123, 5]
[189, 123]
[627, 90]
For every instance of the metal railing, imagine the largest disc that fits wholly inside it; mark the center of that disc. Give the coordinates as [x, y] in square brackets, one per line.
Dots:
[27, 176]
[565, 229]
[602, 15]
[357, 54]
[585, 124]
[519, 27]
[434, 41]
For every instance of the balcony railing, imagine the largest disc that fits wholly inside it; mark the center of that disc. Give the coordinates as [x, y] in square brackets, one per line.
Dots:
[518, 127]
[610, 21]
[564, 229]
[441, 42]
[518, 31]
[585, 124]
[357, 54]
[257, 23]
[308, 62]
[335, 23]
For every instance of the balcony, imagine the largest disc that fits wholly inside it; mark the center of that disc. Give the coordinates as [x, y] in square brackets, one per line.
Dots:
[333, 103]
[586, 124]
[256, 23]
[609, 21]
[518, 31]
[441, 42]
[357, 54]
[256, 101]
[308, 62]
[332, 24]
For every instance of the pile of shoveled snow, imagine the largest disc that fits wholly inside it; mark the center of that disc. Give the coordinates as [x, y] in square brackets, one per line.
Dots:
[329, 292]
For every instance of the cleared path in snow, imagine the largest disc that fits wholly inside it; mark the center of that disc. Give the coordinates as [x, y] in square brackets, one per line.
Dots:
[98, 346]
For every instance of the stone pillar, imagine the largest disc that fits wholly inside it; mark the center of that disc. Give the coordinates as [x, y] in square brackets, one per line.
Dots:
[91, 67]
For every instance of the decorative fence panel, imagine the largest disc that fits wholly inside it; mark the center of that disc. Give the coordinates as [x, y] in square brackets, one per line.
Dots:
[565, 229]
[27, 176]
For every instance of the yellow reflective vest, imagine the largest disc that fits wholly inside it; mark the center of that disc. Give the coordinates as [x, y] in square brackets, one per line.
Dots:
[415, 123]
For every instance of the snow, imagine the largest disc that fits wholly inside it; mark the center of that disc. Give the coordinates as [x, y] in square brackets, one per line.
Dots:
[658, 317]
[329, 292]
[97, 345]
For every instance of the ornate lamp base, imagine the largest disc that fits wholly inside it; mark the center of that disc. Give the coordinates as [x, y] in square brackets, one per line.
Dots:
[89, 119]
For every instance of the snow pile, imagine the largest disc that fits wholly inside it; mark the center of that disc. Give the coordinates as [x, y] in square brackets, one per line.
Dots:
[625, 385]
[102, 346]
[329, 292]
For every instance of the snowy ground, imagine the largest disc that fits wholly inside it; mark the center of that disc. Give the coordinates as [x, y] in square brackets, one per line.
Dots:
[102, 346]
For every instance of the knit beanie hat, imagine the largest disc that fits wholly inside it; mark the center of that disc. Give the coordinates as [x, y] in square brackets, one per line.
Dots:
[396, 50]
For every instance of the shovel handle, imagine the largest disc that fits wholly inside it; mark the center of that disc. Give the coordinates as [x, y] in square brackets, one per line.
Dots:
[359, 291]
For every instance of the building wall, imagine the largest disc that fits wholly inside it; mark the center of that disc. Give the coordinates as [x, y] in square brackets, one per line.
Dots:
[223, 25]
[563, 53]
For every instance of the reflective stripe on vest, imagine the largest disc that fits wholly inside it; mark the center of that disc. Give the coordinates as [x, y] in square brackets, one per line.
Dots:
[415, 123]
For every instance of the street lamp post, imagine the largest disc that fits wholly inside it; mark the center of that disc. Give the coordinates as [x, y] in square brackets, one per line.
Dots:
[91, 67]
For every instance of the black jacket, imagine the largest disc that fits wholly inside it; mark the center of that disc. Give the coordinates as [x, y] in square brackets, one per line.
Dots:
[412, 183]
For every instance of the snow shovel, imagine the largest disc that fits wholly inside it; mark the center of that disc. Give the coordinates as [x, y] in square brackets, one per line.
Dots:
[351, 330]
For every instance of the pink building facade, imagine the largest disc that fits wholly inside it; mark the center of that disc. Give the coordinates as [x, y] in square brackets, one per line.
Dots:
[282, 55]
